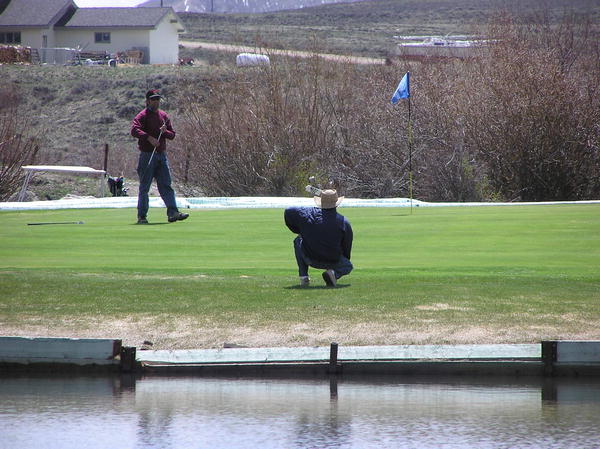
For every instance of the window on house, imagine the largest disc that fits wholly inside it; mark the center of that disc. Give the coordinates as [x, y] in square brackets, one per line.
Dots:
[10, 37]
[102, 38]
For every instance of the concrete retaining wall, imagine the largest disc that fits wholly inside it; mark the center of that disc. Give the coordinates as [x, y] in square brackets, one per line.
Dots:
[74, 351]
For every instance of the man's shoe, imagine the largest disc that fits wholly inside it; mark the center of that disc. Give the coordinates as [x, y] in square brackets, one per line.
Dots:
[178, 216]
[142, 220]
[304, 281]
[329, 278]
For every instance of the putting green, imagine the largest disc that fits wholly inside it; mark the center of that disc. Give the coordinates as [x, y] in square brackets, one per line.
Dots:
[443, 274]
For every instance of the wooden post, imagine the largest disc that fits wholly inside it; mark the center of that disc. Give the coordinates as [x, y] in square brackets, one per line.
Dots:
[333, 354]
[105, 158]
[333, 358]
[128, 359]
[549, 356]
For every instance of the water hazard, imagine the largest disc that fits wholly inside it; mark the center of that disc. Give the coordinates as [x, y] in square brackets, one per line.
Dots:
[186, 412]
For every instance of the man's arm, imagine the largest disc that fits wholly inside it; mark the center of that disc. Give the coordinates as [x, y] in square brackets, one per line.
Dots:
[291, 217]
[137, 128]
[168, 131]
[347, 241]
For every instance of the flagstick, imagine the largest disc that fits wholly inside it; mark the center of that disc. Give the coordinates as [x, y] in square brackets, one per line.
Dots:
[410, 158]
[403, 91]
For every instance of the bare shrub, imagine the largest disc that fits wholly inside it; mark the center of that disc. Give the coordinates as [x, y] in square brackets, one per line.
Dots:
[370, 156]
[259, 132]
[17, 144]
[265, 130]
[447, 167]
[536, 124]
[517, 121]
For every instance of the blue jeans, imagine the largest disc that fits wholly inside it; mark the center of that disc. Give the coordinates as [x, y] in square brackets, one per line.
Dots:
[159, 170]
[341, 267]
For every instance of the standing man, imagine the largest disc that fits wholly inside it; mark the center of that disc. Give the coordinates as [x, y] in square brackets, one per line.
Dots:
[152, 127]
[324, 238]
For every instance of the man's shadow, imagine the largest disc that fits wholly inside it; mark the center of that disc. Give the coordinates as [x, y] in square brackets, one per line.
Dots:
[150, 224]
[316, 287]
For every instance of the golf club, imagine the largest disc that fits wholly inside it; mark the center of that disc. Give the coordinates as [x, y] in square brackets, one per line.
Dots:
[153, 151]
[55, 223]
[316, 190]
[310, 188]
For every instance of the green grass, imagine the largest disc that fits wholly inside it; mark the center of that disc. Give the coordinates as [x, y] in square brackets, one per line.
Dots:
[448, 274]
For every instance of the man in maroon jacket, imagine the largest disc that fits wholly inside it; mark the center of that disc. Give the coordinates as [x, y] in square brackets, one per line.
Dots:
[152, 128]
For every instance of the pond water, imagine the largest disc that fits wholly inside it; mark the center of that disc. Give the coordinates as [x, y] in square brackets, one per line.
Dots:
[194, 412]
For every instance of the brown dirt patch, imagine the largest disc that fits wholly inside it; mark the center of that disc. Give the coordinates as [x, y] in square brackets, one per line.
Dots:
[187, 333]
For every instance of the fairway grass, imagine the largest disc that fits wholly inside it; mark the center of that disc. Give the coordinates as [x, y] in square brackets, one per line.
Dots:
[439, 275]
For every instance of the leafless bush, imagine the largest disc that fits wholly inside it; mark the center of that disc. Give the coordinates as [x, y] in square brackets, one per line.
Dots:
[260, 132]
[17, 146]
[370, 156]
[517, 121]
[265, 130]
[536, 122]
[447, 167]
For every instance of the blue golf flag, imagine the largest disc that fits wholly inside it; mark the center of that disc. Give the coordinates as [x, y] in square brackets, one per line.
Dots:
[403, 89]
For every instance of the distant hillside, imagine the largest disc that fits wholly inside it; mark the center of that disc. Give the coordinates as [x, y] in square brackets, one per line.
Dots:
[371, 28]
[239, 6]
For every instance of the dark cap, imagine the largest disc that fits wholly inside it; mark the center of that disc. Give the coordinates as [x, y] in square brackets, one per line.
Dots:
[152, 93]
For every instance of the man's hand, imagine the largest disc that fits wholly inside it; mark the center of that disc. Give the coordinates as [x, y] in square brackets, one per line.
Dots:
[153, 141]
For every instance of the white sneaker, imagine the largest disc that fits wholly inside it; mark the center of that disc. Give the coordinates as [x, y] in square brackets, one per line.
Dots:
[304, 281]
[329, 278]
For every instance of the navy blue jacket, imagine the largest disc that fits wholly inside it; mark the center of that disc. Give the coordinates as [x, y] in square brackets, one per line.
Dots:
[326, 235]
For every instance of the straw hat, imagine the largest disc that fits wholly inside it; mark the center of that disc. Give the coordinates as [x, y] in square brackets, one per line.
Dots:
[329, 199]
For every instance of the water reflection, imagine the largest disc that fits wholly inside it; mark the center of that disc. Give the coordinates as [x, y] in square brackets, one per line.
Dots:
[159, 412]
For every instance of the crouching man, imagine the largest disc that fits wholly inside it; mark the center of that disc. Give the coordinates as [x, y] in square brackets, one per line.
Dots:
[324, 238]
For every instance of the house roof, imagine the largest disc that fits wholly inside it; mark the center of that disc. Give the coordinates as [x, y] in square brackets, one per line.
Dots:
[140, 17]
[34, 13]
[65, 13]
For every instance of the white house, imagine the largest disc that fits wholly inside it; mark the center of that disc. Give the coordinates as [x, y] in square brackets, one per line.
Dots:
[60, 23]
